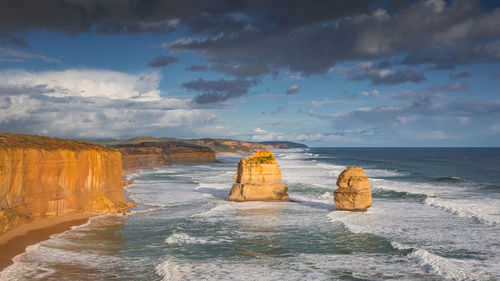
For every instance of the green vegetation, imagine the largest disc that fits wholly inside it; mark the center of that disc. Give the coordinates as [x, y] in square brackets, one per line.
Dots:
[262, 159]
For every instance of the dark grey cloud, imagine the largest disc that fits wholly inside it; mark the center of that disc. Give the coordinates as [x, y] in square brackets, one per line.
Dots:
[8, 39]
[218, 90]
[446, 59]
[241, 70]
[379, 76]
[495, 75]
[293, 90]
[134, 16]
[24, 90]
[456, 32]
[162, 61]
[460, 75]
[433, 91]
[279, 109]
[197, 67]
[250, 38]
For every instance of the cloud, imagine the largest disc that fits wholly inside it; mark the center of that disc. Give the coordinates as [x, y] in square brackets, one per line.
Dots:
[94, 103]
[87, 83]
[320, 103]
[252, 38]
[197, 67]
[24, 90]
[293, 90]
[264, 135]
[379, 75]
[132, 16]
[433, 91]
[241, 70]
[460, 75]
[279, 109]
[428, 114]
[260, 134]
[459, 32]
[162, 61]
[11, 55]
[495, 75]
[218, 90]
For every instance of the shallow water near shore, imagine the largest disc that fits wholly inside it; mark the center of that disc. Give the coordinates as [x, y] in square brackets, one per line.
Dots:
[436, 216]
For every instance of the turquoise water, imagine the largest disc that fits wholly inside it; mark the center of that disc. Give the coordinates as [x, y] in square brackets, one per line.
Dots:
[436, 216]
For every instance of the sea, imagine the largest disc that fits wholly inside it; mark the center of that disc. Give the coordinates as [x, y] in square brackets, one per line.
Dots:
[435, 216]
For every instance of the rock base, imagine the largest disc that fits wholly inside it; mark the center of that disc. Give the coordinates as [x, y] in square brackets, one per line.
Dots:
[259, 192]
[353, 201]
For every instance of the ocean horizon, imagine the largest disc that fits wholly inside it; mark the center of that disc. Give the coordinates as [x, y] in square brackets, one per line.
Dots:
[435, 216]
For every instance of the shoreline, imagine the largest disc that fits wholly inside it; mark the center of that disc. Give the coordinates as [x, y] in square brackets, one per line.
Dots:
[15, 241]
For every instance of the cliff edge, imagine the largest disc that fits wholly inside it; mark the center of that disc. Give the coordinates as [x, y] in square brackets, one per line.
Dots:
[156, 154]
[258, 179]
[43, 177]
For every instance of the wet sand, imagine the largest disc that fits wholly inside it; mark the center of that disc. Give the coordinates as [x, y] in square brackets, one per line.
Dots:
[15, 241]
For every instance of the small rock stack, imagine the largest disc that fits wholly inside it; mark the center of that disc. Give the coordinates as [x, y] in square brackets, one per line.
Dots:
[258, 179]
[354, 192]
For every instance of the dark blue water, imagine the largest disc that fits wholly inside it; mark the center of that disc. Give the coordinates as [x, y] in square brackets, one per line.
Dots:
[435, 216]
[478, 165]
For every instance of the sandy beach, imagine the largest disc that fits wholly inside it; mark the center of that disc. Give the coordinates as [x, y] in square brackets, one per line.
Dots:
[15, 241]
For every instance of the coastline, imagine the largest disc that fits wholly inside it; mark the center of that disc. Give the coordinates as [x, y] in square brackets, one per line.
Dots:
[15, 241]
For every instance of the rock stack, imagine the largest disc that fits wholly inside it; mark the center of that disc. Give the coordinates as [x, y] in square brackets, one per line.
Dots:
[354, 192]
[258, 179]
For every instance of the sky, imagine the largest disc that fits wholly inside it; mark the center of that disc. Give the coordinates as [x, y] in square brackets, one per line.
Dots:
[324, 73]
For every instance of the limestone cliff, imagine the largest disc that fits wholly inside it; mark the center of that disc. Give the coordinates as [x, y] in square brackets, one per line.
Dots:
[258, 179]
[220, 146]
[156, 154]
[42, 176]
[354, 192]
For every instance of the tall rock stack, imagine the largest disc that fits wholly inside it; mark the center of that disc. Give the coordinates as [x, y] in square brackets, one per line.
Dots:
[354, 192]
[258, 179]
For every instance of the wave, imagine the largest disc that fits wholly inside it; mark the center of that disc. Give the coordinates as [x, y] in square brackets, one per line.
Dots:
[448, 268]
[381, 193]
[451, 179]
[384, 173]
[404, 187]
[490, 187]
[444, 267]
[31, 264]
[141, 205]
[183, 238]
[441, 266]
[480, 213]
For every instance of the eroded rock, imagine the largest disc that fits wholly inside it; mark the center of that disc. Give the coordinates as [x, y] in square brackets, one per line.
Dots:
[258, 179]
[354, 192]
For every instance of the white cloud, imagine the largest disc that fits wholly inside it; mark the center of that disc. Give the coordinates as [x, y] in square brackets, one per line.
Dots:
[88, 83]
[320, 103]
[94, 103]
[19, 56]
[263, 135]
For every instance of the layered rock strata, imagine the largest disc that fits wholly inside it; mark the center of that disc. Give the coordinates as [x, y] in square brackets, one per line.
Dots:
[147, 155]
[42, 177]
[354, 192]
[258, 179]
